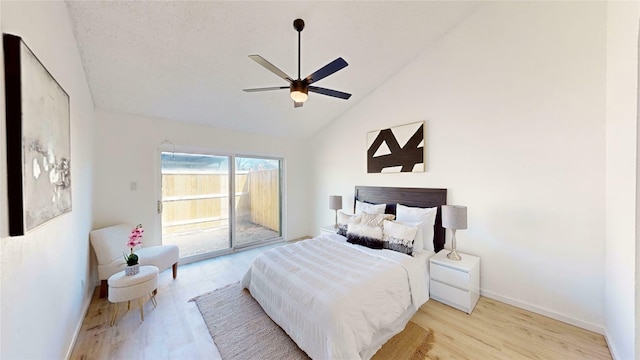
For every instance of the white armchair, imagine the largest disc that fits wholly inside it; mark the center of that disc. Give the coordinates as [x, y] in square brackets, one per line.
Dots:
[109, 244]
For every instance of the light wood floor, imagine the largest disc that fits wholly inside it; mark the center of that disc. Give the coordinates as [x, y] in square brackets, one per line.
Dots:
[175, 329]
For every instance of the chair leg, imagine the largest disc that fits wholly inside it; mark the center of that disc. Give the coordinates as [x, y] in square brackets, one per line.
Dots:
[175, 270]
[104, 289]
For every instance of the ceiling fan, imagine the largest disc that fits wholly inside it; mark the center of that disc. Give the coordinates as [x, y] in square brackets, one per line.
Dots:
[299, 88]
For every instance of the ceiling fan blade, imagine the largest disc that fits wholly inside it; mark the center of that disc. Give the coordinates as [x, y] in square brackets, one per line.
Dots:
[329, 92]
[327, 70]
[269, 66]
[266, 88]
[297, 104]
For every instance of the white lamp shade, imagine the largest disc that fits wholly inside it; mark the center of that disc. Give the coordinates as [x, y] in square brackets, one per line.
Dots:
[335, 202]
[454, 217]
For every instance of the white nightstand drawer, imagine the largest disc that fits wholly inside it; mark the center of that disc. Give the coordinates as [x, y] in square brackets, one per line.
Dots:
[459, 279]
[451, 296]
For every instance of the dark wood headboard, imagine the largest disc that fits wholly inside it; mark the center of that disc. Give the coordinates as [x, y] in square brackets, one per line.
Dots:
[414, 197]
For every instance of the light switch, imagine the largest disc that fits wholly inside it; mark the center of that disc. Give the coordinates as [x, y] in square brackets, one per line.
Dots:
[133, 186]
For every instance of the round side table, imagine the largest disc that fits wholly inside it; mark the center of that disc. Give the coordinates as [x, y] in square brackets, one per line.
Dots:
[126, 288]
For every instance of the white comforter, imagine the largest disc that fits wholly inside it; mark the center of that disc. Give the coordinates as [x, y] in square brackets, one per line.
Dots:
[333, 298]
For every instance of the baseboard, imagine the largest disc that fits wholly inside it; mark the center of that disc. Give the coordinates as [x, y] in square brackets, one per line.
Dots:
[610, 344]
[546, 312]
[76, 333]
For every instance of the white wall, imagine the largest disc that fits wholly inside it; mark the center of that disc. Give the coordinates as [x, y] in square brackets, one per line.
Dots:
[44, 273]
[126, 150]
[514, 105]
[621, 178]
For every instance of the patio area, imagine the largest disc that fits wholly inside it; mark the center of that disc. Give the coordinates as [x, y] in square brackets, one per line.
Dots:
[204, 241]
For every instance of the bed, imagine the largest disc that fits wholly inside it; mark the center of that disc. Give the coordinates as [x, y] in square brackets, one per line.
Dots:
[338, 300]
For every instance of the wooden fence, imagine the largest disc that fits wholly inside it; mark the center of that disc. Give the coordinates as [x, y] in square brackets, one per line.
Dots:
[201, 201]
[264, 198]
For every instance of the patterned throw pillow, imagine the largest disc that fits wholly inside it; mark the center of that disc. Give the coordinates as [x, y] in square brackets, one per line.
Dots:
[344, 220]
[375, 219]
[418, 243]
[399, 237]
[369, 236]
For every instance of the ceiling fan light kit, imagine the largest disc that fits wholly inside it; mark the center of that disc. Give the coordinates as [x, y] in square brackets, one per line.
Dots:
[299, 88]
[299, 92]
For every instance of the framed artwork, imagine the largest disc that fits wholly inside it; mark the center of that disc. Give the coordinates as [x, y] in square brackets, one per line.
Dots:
[397, 149]
[38, 140]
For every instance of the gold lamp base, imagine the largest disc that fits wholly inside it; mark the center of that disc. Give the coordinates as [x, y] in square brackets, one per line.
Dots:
[453, 255]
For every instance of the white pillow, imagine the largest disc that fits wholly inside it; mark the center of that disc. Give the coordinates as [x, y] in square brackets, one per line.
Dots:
[369, 208]
[426, 215]
[418, 242]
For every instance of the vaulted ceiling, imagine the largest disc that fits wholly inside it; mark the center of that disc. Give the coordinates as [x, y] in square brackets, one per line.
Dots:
[188, 61]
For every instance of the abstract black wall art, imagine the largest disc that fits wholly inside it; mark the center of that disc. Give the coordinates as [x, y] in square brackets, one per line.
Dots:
[397, 149]
[38, 140]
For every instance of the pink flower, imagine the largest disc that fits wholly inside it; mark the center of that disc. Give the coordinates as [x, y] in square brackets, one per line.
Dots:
[135, 238]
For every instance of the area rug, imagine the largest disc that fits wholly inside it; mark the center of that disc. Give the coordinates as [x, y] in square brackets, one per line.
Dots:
[242, 330]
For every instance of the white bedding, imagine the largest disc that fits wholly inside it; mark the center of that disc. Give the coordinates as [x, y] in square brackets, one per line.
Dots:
[338, 300]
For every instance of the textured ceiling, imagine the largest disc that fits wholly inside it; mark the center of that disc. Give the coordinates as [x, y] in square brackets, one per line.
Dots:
[188, 61]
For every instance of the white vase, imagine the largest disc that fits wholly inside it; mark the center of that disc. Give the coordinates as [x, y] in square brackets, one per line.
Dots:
[132, 270]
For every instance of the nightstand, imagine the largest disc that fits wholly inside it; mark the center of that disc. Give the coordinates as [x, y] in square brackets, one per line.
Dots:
[329, 229]
[455, 283]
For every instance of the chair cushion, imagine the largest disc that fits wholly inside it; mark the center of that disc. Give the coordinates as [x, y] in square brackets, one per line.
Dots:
[162, 256]
[106, 270]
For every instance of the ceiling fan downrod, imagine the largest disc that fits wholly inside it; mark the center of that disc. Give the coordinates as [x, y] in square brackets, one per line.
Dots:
[298, 24]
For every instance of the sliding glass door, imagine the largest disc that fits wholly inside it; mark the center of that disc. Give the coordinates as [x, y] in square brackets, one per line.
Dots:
[195, 202]
[209, 206]
[257, 215]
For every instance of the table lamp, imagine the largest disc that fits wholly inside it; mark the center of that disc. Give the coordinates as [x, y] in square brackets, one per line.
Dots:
[335, 203]
[454, 217]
